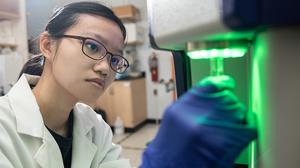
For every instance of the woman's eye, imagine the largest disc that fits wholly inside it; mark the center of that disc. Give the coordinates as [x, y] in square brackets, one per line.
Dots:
[115, 61]
[91, 47]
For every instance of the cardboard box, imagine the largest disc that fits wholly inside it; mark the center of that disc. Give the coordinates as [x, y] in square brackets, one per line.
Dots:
[127, 13]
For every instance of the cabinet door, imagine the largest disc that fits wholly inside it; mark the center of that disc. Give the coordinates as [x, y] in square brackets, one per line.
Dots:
[126, 99]
[105, 102]
[123, 102]
[139, 105]
[130, 101]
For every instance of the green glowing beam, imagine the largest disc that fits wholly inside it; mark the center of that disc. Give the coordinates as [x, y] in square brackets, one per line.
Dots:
[213, 53]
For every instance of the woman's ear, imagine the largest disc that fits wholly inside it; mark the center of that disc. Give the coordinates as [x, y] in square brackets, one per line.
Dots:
[46, 46]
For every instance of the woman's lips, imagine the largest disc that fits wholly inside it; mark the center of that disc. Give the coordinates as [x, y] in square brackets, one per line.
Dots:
[97, 82]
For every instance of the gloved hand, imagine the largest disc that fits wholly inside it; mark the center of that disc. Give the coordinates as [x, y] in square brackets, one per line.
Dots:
[204, 128]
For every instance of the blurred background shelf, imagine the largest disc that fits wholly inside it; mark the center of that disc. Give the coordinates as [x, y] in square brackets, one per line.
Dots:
[127, 13]
[9, 9]
[8, 15]
[4, 45]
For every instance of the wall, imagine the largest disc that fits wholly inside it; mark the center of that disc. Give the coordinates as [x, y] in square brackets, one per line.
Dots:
[14, 31]
[39, 11]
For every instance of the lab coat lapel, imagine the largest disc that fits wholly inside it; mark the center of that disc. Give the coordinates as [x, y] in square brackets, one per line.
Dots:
[84, 150]
[28, 116]
[48, 155]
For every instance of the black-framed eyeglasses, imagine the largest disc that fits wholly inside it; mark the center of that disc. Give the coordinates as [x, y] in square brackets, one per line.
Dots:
[97, 51]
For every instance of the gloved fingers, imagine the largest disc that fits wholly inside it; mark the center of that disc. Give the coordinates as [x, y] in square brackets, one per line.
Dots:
[221, 144]
[216, 83]
[223, 105]
[218, 137]
[215, 89]
[222, 98]
[223, 122]
[227, 101]
[235, 114]
[237, 142]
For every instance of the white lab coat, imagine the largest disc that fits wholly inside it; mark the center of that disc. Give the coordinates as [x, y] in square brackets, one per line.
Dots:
[25, 142]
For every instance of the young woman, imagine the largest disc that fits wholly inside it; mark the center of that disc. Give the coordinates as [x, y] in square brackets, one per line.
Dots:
[82, 51]
[82, 47]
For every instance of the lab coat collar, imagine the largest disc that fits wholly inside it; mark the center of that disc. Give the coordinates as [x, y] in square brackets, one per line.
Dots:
[28, 116]
[83, 147]
[84, 122]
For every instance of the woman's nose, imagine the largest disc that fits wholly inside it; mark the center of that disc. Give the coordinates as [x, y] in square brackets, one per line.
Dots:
[103, 66]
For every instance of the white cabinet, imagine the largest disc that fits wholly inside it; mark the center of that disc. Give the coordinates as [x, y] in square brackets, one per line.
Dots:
[10, 67]
[135, 33]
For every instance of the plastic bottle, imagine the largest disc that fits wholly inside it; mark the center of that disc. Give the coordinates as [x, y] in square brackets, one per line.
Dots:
[119, 127]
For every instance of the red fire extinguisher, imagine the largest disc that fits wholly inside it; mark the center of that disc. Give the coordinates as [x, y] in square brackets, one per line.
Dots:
[153, 64]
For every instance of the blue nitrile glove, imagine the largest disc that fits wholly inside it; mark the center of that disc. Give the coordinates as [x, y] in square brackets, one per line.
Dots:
[204, 128]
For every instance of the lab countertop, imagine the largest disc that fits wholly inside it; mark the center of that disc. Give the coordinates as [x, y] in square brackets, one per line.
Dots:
[136, 75]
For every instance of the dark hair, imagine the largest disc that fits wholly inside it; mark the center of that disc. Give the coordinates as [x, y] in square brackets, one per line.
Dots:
[65, 17]
[33, 66]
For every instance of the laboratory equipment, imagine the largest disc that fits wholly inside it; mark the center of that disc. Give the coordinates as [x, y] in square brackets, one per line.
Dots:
[267, 34]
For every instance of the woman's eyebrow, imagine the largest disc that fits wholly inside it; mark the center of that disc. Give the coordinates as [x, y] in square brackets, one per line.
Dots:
[98, 38]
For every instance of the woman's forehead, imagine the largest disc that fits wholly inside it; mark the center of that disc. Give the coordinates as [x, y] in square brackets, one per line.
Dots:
[99, 28]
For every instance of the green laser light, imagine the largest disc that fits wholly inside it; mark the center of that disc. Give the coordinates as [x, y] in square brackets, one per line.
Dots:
[212, 53]
[216, 56]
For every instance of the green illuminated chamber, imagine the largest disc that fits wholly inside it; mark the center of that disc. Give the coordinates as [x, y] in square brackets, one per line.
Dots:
[208, 59]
